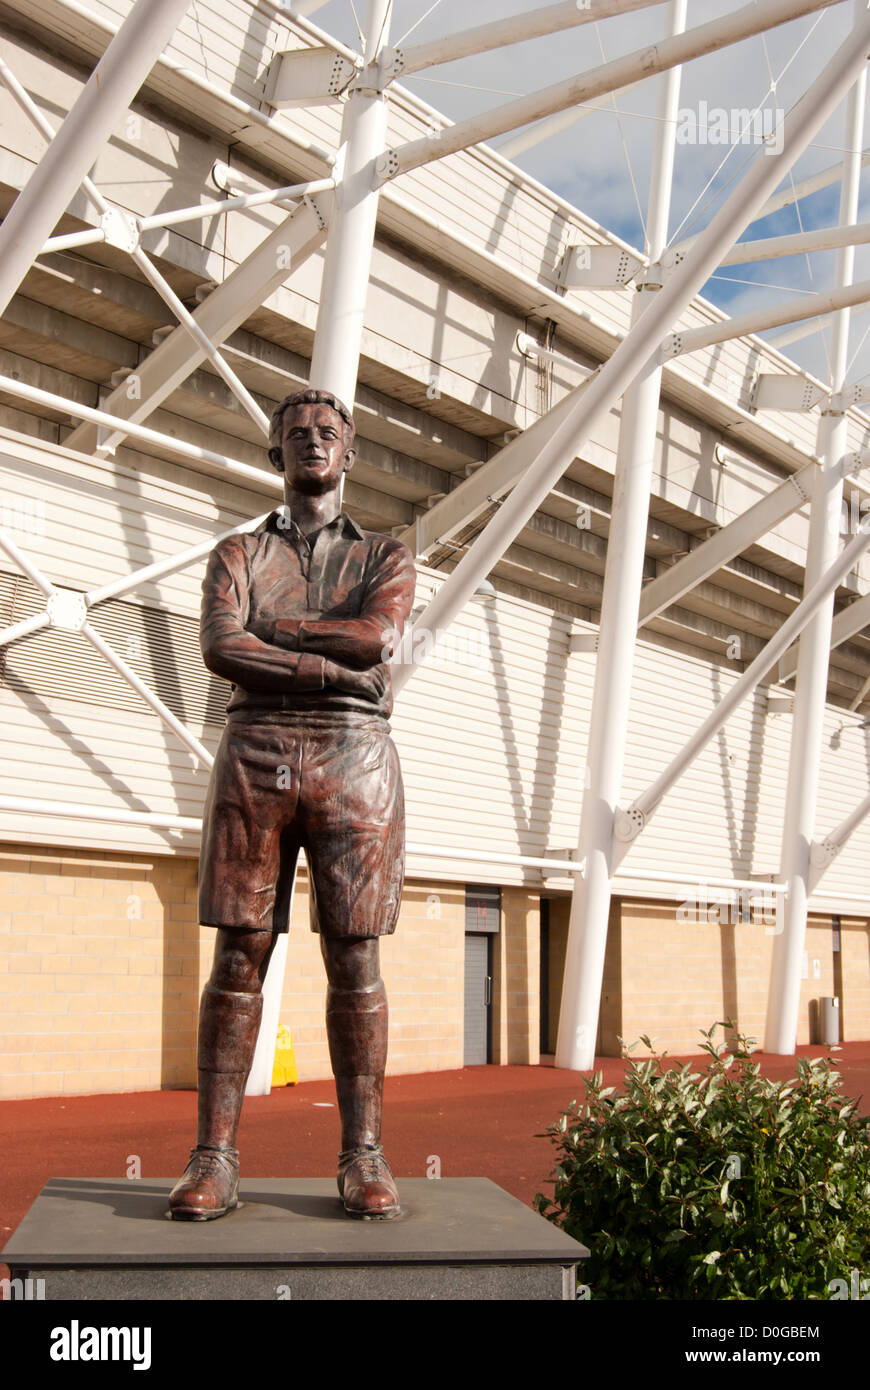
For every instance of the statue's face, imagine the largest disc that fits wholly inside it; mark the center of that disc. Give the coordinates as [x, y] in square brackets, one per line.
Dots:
[315, 448]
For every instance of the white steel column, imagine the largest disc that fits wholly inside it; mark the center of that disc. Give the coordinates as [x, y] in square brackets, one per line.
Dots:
[335, 359]
[608, 726]
[847, 624]
[815, 643]
[106, 95]
[344, 290]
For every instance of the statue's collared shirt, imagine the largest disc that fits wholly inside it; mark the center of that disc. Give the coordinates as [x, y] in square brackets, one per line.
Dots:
[277, 606]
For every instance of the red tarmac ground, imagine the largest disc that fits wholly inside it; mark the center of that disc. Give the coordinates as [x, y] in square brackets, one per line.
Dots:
[477, 1122]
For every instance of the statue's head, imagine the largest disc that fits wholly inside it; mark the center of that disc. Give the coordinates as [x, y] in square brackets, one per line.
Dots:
[311, 440]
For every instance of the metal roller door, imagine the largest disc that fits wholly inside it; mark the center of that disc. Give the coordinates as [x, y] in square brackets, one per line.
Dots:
[478, 997]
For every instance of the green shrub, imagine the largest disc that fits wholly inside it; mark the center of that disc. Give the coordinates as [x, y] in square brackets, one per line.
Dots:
[717, 1184]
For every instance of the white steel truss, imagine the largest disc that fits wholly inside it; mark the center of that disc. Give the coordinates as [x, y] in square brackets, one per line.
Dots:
[846, 625]
[580, 414]
[808, 306]
[793, 193]
[629, 823]
[342, 211]
[551, 19]
[67, 609]
[105, 97]
[610, 77]
[823, 852]
[564, 429]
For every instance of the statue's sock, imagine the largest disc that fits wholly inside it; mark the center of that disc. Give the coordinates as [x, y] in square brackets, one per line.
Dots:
[356, 1026]
[228, 1026]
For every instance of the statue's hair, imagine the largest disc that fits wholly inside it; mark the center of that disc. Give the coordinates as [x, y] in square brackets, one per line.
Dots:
[309, 396]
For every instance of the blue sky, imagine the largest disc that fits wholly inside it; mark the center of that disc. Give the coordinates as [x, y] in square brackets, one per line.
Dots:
[602, 162]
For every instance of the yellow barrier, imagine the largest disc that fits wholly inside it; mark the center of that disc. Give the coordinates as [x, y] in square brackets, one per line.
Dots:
[285, 1071]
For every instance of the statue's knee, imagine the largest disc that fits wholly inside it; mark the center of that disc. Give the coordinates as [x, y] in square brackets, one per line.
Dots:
[239, 961]
[351, 962]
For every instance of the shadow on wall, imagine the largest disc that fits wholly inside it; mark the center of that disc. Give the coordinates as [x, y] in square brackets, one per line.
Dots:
[610, 1026]
[175, 882]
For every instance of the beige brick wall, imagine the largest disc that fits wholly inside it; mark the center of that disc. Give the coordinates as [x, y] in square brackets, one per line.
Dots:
[854, 985]
[679, 977]
[610, 1020]
[98, 972]
[516, 980]
[671, 978]
[607, 1043]
[102, 963]
[422, 965]
[559, 911]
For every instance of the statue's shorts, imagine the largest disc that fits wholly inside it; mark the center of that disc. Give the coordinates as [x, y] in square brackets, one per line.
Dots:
[328, 783]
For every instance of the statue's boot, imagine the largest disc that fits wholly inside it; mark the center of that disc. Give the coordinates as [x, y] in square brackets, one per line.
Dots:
[228, 1026]
[356, 1026]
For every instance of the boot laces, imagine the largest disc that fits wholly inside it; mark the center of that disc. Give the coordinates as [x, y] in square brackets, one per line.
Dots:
[371, 1166]
[209, 1162]
[369, 1163]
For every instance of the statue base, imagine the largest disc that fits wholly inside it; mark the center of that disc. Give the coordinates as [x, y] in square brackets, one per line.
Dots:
[290, 1238]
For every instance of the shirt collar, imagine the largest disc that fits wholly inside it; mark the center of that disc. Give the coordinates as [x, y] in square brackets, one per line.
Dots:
[343, 522]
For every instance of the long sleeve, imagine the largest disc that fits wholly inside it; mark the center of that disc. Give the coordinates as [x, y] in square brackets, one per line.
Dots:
[234, 653]
[366, 640]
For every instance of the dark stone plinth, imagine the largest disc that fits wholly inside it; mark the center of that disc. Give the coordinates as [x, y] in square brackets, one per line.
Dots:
[457, 1238]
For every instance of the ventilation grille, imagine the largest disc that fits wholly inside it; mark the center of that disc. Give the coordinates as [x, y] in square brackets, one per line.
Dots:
[162, 648]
